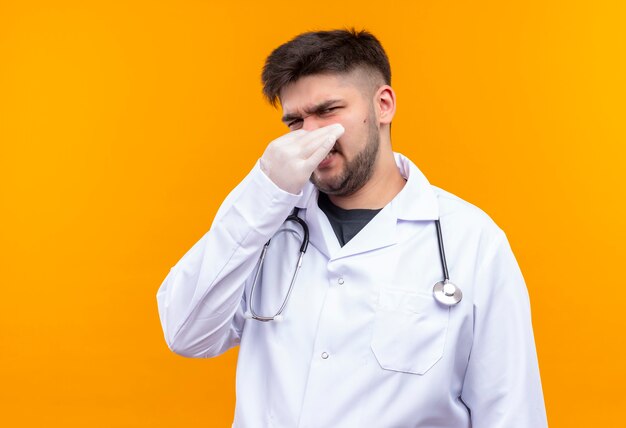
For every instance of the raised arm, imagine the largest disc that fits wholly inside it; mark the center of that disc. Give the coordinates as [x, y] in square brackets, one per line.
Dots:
[200, 300]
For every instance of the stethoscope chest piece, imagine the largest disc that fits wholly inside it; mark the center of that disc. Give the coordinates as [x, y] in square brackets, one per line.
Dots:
[447, 293]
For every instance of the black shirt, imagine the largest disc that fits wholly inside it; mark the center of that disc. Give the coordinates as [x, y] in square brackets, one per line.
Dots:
[345, 223]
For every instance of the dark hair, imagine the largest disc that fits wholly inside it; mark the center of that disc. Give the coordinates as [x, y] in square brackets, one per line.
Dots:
[336, 51]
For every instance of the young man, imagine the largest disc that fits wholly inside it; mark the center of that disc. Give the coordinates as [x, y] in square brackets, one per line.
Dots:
[362, 337]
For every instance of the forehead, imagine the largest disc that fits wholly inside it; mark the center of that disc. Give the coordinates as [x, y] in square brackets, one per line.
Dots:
[315, 89]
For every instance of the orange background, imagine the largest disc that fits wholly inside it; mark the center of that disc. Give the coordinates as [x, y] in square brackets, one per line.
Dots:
[124, 124]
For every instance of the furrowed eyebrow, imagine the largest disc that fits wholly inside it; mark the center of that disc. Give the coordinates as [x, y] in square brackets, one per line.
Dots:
[288, 118]
[311, 110]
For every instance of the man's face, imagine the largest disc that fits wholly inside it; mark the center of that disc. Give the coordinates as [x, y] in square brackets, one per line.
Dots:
[320, 100]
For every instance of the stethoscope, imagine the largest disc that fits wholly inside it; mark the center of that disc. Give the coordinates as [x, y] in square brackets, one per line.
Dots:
[444, 292]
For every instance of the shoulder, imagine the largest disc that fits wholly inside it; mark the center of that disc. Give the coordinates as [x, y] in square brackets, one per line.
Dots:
[451, 204]
[466, 219]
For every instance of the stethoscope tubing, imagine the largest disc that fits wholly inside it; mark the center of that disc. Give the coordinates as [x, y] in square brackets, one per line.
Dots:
[305, 245]
[442, 253]
[444, 291]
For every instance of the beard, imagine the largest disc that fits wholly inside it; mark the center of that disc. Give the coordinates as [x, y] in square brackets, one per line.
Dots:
[357, 171]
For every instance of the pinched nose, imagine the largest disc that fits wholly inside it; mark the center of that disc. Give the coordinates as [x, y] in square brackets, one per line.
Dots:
[312, 122]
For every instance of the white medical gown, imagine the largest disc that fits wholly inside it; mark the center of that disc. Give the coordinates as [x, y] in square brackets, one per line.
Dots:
[363, 343]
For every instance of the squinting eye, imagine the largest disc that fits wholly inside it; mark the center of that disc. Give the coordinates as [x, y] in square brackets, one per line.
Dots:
[328, 110]
[294, 123]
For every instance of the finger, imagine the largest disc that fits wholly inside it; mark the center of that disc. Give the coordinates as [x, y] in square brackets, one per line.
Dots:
[312, 142]
[334, 129]
[289, 138]
[297, 133]
[323, 149]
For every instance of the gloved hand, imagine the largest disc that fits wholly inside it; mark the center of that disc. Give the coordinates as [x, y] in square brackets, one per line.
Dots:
[289, 160]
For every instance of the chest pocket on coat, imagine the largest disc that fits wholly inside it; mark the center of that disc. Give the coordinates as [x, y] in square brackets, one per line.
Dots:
[409, 331]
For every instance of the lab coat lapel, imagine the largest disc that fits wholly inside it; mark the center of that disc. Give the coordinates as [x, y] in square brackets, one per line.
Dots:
[380, 232]
[321, 234]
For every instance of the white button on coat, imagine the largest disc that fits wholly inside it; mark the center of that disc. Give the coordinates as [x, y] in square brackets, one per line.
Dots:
[400, 359]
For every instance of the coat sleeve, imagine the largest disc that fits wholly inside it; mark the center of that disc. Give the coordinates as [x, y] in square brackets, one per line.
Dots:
[502, 387]
[201, 301]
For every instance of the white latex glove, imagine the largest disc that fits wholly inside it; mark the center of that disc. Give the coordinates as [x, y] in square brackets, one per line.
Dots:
[289, 160]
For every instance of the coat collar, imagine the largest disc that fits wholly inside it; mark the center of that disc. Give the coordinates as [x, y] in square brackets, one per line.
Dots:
[416, 201]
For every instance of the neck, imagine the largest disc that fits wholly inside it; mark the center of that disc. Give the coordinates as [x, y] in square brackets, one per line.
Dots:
[385, 183]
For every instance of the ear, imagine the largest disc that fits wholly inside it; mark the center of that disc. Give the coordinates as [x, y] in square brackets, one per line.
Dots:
[385, 104]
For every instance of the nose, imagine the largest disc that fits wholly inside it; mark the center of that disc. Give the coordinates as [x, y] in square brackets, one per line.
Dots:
[312, 122]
